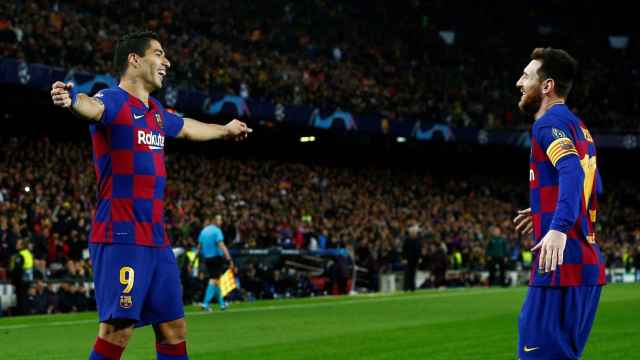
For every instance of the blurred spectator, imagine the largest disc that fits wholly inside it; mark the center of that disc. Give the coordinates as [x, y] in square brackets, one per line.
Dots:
[411, 250]
[366, 256]
[636, 262]
[497, 257]
[21, 269]
[340, 275]
[439, 264]
[287, 57]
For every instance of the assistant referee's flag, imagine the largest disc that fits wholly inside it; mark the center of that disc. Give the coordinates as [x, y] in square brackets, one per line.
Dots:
[227, 282]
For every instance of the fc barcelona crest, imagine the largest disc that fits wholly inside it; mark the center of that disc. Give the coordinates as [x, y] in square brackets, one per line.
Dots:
[159, 120]
[125, 301]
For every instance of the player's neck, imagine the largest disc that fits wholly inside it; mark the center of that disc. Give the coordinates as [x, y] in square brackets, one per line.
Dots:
[135, 88]
[546, 104]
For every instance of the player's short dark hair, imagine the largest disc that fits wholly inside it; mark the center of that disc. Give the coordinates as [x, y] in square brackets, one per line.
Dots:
[558, 65]
[137, 42]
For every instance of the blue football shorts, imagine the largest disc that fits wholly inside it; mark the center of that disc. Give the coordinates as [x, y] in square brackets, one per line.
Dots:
[135, 282]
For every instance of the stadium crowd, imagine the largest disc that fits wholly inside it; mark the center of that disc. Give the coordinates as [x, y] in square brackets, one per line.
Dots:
[381, 57]
[47, 195]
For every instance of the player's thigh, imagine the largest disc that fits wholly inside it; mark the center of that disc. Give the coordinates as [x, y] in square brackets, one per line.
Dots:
[122, 274]
[164, 301]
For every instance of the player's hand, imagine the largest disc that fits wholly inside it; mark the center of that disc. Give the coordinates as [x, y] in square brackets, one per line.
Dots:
[524, 222]
[61, 94]
[551, 250]
[237, 130]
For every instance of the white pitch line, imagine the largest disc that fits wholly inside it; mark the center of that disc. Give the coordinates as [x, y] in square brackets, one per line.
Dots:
[351, 302]
[372, 299]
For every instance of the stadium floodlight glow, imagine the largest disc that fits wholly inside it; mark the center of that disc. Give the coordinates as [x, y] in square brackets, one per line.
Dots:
[305, 139]
[401, 139]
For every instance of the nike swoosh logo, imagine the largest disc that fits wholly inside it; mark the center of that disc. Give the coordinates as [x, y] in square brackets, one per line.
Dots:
[137, 116]
[529, 349]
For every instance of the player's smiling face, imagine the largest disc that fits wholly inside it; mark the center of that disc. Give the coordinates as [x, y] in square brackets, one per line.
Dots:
[531, 88]
[155, 65]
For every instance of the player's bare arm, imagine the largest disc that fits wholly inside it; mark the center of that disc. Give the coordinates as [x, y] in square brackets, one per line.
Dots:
[83, 106]
[195, 130]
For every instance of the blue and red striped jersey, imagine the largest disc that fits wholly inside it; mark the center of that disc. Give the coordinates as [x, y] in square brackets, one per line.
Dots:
[564, 184]
[128, 154]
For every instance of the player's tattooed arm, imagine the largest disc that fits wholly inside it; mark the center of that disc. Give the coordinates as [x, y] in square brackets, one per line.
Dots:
[81, 105]
[198, 131]
[88, 108]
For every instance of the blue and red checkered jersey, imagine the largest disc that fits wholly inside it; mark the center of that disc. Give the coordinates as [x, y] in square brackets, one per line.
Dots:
[128, 154]
[564, 185]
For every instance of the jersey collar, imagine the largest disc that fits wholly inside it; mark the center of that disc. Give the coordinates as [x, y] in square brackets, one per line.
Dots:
[137, 103]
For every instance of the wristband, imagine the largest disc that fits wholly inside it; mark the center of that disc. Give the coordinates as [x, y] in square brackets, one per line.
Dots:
[74, 95]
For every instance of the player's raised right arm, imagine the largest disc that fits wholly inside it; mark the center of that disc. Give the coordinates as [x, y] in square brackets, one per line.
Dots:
[81, 105]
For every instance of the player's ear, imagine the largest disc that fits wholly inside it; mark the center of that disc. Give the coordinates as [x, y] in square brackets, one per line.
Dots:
[549, 85]
[133, 59]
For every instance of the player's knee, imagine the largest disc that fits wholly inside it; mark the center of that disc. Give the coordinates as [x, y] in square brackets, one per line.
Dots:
[173, 332]
[180, 331]
[117, 331]
[180, 334]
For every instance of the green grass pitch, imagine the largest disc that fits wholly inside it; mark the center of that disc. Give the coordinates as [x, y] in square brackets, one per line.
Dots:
[451, 324]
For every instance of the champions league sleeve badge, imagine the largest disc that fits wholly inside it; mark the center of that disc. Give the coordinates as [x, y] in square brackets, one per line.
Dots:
[558, 134]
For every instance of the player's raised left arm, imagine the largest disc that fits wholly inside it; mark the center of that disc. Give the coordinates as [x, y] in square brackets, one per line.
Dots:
[81, 105]
[195, 130]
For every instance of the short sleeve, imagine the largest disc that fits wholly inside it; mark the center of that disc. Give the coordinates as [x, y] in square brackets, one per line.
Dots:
[173, 124]
[112, 101]
[219, 236]
[555, 141]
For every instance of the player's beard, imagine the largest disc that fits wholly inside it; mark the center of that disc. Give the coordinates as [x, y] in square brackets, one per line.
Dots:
[153, 80]
[531, 102]
[156, 80]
